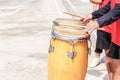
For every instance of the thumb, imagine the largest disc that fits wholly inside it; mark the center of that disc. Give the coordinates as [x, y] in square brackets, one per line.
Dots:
[101, 29]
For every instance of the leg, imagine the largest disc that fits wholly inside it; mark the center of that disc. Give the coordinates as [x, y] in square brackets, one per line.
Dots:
[96, 61]
[98, 52]
[101, 43]
[106, 41]
[114, 53]
[108, 62]
[115, 66]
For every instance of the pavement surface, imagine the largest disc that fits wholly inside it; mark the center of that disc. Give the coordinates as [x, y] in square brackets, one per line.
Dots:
[25, 32]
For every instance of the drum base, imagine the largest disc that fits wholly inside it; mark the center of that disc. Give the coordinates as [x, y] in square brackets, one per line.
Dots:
[62, 67]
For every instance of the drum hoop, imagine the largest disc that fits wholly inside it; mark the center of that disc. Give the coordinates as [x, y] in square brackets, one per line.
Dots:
[54, 34]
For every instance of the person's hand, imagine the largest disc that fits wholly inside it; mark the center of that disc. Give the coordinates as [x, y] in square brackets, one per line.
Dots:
[91, 26]
[87, 18]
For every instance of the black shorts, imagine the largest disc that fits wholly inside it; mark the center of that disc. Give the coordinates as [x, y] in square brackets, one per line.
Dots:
[103, 41]
[114, 51]
[98, 50]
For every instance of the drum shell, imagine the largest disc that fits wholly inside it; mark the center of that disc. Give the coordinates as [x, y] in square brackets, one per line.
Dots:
[62, 67]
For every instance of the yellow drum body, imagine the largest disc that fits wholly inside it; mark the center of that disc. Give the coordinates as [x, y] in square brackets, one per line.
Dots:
[67, 59]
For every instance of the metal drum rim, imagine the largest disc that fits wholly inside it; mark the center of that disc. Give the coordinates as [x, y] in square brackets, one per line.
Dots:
[56, 35]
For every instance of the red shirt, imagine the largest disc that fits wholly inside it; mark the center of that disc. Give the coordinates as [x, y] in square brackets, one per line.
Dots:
[104, 2]
[108, 27]
[115, 27]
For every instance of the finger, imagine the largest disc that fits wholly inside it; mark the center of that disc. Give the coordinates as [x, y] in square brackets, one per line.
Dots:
[89, 26]
[101, 29]
[92, 29]
[85, 20]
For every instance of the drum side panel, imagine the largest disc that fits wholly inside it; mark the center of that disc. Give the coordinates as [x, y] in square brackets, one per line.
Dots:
[62, 67]
[81, 60]
[59, 65]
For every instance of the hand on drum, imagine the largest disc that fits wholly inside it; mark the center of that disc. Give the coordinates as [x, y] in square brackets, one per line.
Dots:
[91, 26]
[87, 18]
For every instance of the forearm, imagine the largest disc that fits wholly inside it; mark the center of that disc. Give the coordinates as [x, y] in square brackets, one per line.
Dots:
[96, 1]
[110, 17]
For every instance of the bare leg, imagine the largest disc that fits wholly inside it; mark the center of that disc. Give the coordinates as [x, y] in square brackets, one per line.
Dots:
[108, 62]
[96, 60]
[115, 66]
[97, 55]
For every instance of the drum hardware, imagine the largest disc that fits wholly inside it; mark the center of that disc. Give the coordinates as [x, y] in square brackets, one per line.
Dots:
[89, 51]
[70, 54]
[89, 48]
[53, 37]
[70, 39]
[55, 23]
[51, 49]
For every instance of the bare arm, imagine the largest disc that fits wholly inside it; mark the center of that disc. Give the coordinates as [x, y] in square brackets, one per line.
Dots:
[96, 1]
[106, 19]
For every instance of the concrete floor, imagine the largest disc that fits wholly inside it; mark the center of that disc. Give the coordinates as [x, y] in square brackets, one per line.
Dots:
[24, 38]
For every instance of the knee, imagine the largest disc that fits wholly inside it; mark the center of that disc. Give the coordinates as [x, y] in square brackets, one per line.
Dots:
[108, 60]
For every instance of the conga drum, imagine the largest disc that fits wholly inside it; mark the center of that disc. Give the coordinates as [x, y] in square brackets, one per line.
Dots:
[68, 51]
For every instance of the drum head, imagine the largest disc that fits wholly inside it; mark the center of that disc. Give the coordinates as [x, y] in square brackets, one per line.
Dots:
[68, 29]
